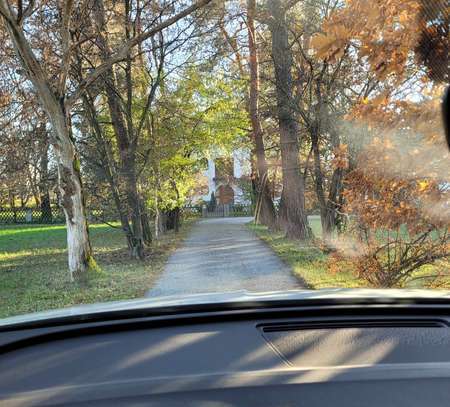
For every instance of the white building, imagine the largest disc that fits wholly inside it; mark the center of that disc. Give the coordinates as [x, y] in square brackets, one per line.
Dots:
[226, 176]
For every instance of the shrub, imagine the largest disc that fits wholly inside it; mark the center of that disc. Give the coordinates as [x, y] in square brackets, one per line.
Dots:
[400, 220]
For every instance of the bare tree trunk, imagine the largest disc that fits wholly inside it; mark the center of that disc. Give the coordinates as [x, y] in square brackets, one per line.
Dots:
[128, 173]
[12, 204]
[146, 228]
[266, 212]
[177, 219]
[334, 202]
[163, 222]
[158, 218]
[172, 219]
[335, 195]
[32, 180]
[138, 218]
[328, 204]
[296, 225]
[125, 145]
[157, 221]
[72, 199]
[174, 214]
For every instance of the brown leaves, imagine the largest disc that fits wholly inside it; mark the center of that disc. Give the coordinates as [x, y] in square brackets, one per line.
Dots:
[5, 98]
[332, 44]
[395, 193]
[399, 177]
[340, 159]
[322, 44]
[381, 31]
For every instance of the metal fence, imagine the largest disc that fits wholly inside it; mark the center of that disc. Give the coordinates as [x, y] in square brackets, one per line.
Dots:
[36, 215]
[54, 216]
[227, 210]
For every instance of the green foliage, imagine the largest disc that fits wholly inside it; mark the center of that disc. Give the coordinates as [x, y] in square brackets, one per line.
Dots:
[197, 115]
[248, 193]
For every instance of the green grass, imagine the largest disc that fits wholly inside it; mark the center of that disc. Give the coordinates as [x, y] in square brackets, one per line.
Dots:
[308, 263]
[34, 276]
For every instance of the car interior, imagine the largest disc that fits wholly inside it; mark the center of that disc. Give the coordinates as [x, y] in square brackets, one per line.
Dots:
[391, 352]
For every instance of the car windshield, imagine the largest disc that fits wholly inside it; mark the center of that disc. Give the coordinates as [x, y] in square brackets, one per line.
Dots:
[174, 147]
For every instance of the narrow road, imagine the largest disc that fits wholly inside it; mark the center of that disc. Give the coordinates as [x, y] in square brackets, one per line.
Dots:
[221, 254]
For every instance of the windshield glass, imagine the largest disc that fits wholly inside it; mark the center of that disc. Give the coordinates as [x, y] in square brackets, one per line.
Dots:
[166, 148]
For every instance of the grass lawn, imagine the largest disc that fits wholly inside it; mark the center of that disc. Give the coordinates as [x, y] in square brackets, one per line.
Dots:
[309, 264]
[34, 276]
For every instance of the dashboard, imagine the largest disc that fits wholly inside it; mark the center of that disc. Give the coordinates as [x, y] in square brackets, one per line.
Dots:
[339, 355]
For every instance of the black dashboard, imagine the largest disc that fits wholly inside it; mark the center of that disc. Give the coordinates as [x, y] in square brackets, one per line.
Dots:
[315, 355]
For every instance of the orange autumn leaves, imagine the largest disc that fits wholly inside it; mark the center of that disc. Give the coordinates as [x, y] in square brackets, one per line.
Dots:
[332, 45]
[340, 159]
[397, 185]
[381, 31]
[400, 177]
[384, 113]
[383, 195]
[400, 208]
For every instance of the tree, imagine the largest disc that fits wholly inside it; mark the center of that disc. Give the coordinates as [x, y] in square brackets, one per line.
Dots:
[266, 213]
[293, 214]
[127, 132]
[57, 102]
[246, 64]
[24, 144]
[320, 103]
[44, 175]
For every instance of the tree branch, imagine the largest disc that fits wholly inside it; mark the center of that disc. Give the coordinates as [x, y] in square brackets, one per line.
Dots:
[66, 14]
[122, 53]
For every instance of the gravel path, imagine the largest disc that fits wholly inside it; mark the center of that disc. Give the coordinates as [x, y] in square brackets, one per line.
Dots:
[221, 254]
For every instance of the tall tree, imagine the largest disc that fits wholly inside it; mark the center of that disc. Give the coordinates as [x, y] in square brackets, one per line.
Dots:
[266, 210]
[294, 219]
[123, 129]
